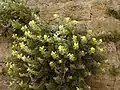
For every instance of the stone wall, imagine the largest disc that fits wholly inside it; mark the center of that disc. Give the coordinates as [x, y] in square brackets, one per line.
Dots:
[4, 52]
[91, 14]
[107, 81]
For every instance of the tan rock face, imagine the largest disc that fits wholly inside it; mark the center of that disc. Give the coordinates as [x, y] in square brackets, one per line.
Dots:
[91, 14]
[4, 52]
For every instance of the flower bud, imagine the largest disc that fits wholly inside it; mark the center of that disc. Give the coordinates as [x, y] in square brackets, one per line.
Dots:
[83, 39]
[74, 38]
[92, 50]
[54, 55]
[52, 64]
[55, 15]
[66, 69]
[67, 19]
[74, 21]
[24, 28]
[89, 31]
[82, 53]
[77, 88]
[94, 41]
[62, 49]
[32, 23]
[60, 61]
[100, 41]
[76, 45]
[101, 49]
[61, 27]
[71, 57]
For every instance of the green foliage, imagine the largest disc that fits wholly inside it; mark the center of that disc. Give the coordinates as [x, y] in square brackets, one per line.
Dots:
[115, 71]
[53, 58]
[113, 36]
[14, 11]
[48, 57]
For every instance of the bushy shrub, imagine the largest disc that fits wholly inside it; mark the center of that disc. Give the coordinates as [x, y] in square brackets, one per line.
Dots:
[48, 57]
[53, 57]
[13, 11]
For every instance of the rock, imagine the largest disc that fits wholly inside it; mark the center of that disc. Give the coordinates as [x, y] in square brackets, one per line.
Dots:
[4, 51]
[91, 14]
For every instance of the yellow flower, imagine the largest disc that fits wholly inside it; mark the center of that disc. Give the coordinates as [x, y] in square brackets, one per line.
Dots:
[42, 48]
[76, 45]
[54, 55]
[14, 52]
[62, 49]
[22, 45]
[100, 41]
[60, 61]
[55, 15]
[101, 49]
[45, 37]
[52, 64]
[7, 64]
[94, 39]
[92, 50]
[77, 88]
[67, 19]
[19, 56]
[71, 57]
[89, 31]
[24, 28]
[36, 17]
[74, 21]
[32, 23]
[23, 58]
[61, 27]
[11, 66]
[83, 39]
[74, 38]
[27, 33]
[14, 35]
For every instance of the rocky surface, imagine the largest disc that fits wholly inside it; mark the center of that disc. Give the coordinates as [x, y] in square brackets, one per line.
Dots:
[91, 14]
[4, 52]
[108, 81]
